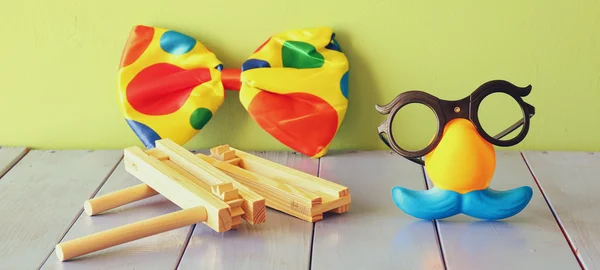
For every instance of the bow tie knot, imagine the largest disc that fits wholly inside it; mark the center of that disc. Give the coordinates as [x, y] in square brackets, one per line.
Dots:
[294, 86]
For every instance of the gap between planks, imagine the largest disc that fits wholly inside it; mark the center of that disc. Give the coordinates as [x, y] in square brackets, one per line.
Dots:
[436, 226]
[312, 238]
[76, 217]
[24, 151]
[553, 211]
[187, 240]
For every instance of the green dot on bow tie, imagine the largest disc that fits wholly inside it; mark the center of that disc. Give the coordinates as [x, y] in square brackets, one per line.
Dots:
[200, 118]
[298, 54]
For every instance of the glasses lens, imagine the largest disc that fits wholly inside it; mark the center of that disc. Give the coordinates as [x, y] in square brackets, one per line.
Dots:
[414, 127]
[498, 112]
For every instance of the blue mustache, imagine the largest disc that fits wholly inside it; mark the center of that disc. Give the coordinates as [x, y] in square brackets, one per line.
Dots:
[486, 204]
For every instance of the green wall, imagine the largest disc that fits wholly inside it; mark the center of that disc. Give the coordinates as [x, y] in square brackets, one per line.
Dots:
[60, 58]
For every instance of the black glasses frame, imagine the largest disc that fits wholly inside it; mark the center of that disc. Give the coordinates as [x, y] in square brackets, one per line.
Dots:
[446, 110]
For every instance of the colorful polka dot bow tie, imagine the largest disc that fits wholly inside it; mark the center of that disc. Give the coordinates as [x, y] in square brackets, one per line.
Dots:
[294, 86]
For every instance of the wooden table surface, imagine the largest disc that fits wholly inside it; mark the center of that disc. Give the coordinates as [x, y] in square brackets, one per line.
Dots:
[42, 194]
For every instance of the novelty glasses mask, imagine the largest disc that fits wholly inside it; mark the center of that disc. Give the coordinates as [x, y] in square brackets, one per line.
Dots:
[447, 110]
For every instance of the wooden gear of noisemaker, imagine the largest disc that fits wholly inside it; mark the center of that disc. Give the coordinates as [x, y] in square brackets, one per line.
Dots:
[218, 190]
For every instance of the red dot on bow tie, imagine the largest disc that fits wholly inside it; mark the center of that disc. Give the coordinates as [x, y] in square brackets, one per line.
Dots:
[262, 45]
[303, 122]
[163, 88]
[139, 40]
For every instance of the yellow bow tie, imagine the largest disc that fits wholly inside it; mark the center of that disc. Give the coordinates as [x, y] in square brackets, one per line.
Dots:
[294, 86]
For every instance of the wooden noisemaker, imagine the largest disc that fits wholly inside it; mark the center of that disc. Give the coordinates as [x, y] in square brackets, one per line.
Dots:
[291, 191]
[204, 193]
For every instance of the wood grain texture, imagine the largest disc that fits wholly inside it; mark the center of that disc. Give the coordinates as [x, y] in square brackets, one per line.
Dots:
[9, 156]
[282, 242]
[41, 197]
[374, 233]
[529, 240]
[177, 185]
[571, 182]
[161, 251]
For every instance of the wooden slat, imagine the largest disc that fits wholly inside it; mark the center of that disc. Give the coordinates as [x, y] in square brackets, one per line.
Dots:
[253, 205]
[285, 196]
[9, 156]
[529, 240]
[282, 242]
[161, 251]
[374, 233]
[571, 183]
[42, 195]
[283, 174]
[175, 186]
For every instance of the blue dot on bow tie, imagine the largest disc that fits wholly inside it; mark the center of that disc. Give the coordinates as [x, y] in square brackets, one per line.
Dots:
[146, 134]
[333, 45]
[176, 43]
[344, 84]
[254, 63]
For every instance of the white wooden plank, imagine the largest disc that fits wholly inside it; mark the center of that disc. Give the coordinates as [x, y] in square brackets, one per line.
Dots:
[41, 197]
[161, 251]
[374, 233]
[282, 242]
[529, 240]
[571, 182]
[9, 156]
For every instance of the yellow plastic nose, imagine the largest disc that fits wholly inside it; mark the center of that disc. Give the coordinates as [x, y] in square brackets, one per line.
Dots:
[463, 161]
